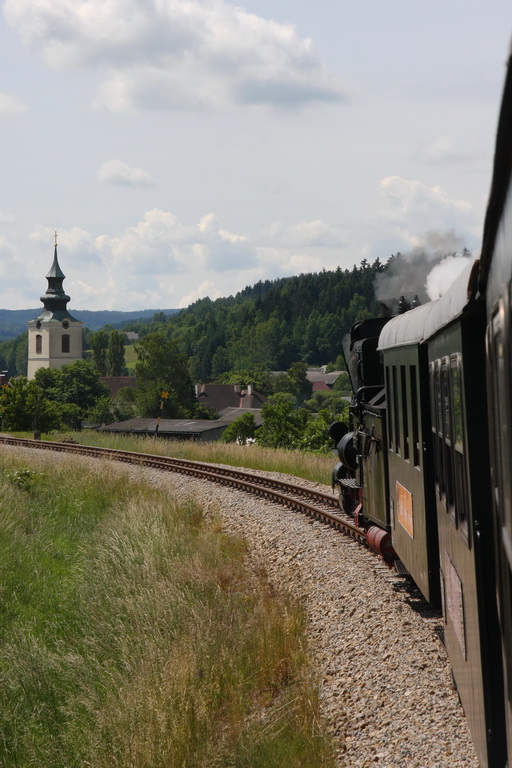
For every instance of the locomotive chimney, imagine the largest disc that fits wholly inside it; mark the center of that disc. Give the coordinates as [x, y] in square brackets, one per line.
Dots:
[403, 305]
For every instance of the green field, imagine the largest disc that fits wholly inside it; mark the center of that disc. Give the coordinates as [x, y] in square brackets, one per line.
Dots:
[130, 358]
[133, 636]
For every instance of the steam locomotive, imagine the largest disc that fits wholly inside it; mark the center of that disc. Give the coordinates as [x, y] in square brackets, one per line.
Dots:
[425, 462]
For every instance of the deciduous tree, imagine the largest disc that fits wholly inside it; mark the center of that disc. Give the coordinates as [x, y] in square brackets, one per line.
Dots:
[115, 354]
[240, 430]
[161, 367]
[76, 384]
[99, 345]
[27, 408]
[283, 424]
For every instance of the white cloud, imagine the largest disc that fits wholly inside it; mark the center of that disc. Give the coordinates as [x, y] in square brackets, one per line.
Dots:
[413, 197]
[120, 174]
[412, 208]
[444, 149]
[206, 288]
[154, 250]
[305, 234]
[169, 54]
[148, 247]
[10, 106]
[74, 241]
[160, 262]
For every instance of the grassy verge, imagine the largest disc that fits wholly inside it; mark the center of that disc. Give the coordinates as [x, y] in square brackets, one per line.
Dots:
[316, 468]
[131, 634]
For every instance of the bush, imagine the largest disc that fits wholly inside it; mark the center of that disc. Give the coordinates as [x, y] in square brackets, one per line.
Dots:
[240, 430]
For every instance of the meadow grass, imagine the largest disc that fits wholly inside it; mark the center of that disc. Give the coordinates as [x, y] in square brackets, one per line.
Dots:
[133, 636]
[309, 466]
[130, 357]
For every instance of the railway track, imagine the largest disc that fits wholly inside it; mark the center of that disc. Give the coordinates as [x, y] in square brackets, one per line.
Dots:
[315, 504]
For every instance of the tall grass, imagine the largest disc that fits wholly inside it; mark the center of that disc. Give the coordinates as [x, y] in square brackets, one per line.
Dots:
[131, 634]
[316, 468]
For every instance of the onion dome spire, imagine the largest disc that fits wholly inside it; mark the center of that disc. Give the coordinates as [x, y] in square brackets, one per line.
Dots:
[55, 299]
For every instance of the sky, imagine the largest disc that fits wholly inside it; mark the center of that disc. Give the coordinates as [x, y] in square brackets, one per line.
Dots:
[189, 148]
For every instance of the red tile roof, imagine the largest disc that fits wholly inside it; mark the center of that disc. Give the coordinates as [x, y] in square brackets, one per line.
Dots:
[221, 396]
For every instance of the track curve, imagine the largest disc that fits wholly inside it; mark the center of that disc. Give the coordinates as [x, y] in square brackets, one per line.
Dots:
[315, 504]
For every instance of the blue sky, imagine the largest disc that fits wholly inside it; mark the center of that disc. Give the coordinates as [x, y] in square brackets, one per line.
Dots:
[188, 148]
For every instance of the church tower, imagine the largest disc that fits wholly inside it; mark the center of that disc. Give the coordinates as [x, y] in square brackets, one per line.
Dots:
[54, 336]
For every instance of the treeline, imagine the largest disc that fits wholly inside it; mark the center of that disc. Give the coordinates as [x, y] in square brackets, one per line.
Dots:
[267, 326]
[272, 324]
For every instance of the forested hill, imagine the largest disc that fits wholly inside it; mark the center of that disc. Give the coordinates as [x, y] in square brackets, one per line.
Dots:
[14, 321]
[273, 323]
[269, 325]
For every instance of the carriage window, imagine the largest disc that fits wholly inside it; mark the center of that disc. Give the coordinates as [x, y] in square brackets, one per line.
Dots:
[439, 402]
[459, 461]
[396, 423]
[448, 438]
[415, 422]
[445, 400]
[39, 344]
[435, 396]
[65, 342]
[499, 393]
[390, 402]
[405, 406]
[502, 450]
[456, 401]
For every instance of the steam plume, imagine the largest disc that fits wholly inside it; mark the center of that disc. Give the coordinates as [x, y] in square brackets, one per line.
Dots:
[427, 270]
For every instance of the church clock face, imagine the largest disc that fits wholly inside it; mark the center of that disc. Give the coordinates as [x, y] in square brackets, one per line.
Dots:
[65, 324]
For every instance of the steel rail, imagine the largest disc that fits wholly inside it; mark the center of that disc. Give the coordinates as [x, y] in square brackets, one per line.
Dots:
[315, 504]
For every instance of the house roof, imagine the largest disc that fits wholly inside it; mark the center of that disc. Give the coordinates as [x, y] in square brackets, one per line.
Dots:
[221, 396]
[115, 383]
[166, 426]
[317, 374]
[321, 386]
[227, 415]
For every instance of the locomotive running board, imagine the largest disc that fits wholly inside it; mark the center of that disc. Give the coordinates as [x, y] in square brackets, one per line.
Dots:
[348, 482]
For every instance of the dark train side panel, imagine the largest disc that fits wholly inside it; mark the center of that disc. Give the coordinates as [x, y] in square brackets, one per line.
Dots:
[463, 501]
[412, 506]
[496, 285]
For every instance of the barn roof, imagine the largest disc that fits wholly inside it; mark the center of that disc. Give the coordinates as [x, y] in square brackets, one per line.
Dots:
[166, 426]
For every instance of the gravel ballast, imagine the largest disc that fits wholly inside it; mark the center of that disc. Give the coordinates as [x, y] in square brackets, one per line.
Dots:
[384, 677]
